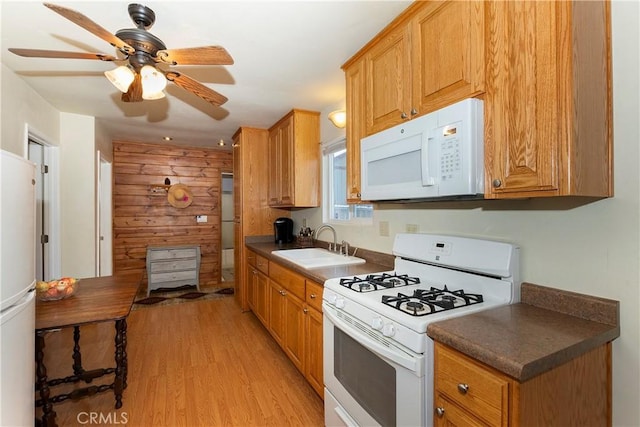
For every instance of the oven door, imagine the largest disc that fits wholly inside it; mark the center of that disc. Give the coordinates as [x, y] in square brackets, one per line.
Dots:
[369, 381]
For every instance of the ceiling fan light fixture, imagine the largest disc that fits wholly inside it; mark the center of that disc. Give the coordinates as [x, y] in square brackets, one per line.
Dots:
[121, 77]
[338, 118]
[153, 83]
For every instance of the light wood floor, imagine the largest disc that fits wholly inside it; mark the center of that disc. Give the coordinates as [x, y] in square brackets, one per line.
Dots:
[202, 363]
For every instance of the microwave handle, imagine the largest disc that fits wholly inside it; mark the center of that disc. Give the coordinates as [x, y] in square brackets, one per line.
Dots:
[427, 179]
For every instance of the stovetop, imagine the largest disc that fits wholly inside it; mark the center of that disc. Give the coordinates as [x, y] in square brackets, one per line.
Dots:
[434, 278]
[418, 302]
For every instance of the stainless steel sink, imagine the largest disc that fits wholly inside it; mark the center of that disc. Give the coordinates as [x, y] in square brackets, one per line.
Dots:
[316, 258]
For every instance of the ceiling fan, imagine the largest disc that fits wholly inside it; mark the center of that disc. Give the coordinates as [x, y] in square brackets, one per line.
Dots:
[140, 78]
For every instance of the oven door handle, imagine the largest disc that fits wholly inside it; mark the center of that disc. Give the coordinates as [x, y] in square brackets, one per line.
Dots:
[398, 356]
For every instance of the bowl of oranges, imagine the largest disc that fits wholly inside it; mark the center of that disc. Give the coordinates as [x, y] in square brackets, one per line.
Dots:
[56, 289]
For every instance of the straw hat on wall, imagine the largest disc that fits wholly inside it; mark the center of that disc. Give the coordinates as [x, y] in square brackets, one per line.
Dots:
[179, 196]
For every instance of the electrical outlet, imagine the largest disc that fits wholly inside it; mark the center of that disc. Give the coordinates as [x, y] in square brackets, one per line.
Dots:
[411, 228]
[384, 228]
[201, 218]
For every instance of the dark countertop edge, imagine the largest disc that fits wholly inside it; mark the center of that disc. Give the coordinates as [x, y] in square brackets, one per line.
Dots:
[376, 261]
[465, 334]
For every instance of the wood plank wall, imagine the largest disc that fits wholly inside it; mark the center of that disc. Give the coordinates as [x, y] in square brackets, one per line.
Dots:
[143, 217]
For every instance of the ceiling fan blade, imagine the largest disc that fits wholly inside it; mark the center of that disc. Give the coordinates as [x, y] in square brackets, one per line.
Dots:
[134, 94]
[41, 53]
[206, 55]
[197, 88]
[92, 27]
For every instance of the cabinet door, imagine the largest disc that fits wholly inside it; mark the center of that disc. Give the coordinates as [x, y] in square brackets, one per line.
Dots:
[275, 138]
[281, 167]
[356, 117]
[262, 297]
[294, 330]
[447, 53]
[287, 175]
[313, 350]
[251, 276]
[523, 96]
[276, 312]
[388, 77]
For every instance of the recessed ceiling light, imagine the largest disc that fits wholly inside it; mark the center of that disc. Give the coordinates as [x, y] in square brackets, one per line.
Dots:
[167, 138]
[221, 143]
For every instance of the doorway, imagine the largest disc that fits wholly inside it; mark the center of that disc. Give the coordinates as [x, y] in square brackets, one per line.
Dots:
[104, 253]
[47, 225]
[227, 224]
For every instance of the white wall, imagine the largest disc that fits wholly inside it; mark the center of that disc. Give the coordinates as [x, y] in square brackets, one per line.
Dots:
[20, 107]
[592, 248]
[78, 195]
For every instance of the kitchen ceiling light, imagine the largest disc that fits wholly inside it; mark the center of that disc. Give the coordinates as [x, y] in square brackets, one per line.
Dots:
[153, 83]
[121, 77]
[338, 118]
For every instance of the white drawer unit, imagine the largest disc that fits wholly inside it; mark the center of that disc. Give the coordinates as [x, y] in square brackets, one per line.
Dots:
[172, 267]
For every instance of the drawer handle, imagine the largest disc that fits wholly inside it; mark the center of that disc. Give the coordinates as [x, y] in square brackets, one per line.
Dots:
[463, 388]
[440, 411]
[312, 296]
[305, 310]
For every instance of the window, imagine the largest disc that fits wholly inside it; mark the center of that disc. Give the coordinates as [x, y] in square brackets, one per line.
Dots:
[335, 204]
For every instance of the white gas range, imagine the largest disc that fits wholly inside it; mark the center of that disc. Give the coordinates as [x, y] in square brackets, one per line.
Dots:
[378, 360]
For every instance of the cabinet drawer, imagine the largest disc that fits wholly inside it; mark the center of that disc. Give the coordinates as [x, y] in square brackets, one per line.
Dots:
[251, 258]
[262, 264]
[171, 276]
[289, 280]
[314, 295]
[172, 253]
[182, 264]
[452, 415]
[487, 391]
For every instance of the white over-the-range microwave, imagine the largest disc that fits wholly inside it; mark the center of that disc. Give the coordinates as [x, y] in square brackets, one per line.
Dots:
[438, 155]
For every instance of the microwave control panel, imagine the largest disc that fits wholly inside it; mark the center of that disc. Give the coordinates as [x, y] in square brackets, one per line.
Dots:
[450, 156]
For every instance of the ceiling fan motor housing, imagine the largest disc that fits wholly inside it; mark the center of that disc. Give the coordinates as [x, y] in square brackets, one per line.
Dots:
[143, 16]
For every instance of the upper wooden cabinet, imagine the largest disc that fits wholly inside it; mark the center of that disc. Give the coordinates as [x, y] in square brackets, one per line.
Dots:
[543, 69]
[548, 107]
[431, 56]
[294, 160]
[356, 116]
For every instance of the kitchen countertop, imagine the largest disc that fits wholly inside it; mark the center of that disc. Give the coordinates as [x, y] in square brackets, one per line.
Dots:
[376, 261]
[548, 328]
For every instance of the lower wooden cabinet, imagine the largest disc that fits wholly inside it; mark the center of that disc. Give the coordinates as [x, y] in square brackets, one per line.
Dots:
[313, 337]
[290, 307]
[470, 393]
[258, 286]
[276, 319]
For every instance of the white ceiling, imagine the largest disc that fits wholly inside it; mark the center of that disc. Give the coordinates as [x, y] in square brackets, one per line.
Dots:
[287, 55]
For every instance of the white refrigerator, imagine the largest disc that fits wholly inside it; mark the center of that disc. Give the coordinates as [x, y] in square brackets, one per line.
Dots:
[17, 290]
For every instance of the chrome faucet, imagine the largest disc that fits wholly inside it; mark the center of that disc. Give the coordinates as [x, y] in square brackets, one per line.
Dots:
[345, 247]
[333, 247]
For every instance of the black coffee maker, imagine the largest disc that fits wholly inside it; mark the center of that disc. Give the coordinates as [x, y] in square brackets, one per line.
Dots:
[283, 230]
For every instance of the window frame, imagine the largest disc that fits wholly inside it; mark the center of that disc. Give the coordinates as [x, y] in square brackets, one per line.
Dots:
[329, 150]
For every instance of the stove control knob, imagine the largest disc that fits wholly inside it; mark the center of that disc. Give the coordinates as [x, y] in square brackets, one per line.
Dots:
[340, 302]
[331, 298]
[389, 330]
[377, 323]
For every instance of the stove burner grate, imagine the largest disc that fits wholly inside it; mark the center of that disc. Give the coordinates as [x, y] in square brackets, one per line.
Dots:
[427, 301]
[376, 282]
